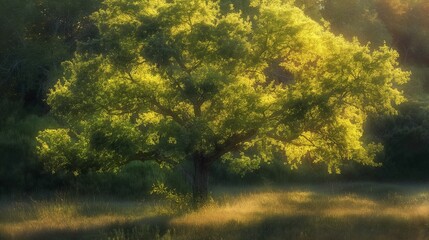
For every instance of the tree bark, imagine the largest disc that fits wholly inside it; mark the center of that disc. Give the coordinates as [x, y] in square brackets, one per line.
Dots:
[200, 180]
[202, 163]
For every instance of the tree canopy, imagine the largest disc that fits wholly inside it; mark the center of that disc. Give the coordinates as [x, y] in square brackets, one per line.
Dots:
[186, 82]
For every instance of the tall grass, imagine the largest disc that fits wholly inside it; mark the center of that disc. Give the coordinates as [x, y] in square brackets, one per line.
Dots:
[66, 217]
[331, 211]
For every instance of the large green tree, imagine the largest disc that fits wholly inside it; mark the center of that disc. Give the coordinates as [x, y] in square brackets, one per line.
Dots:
[184, 82]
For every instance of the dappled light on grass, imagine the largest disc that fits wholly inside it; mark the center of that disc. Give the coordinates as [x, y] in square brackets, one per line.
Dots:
[338, 211]
[74, 224]
[254, 207]
[247, 208]
[25, 219]
[352, 211]
[348, 205]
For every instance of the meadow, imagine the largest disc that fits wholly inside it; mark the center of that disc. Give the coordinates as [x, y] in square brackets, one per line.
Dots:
[315, 211]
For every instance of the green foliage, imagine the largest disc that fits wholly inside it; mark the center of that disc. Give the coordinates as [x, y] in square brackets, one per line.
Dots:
[30, 29]
[141, 176]
[35, 37]
[134, 179]
[220, 50]
[19, 168]
[183, 81]
[406, 137]
[404, 24]
[357, 18]
[178, 202]
[401, 23]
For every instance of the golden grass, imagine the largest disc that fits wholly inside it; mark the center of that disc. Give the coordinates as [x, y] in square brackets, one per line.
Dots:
[341, 211]
[254, 207]
[247, 208]
[22, 219]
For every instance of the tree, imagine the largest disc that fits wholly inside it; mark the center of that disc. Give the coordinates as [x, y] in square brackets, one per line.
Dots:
[352, 19]
[35, 37]
[183, 82]
[358, 18]
[29, 29]
[405, 137]
[408, 23]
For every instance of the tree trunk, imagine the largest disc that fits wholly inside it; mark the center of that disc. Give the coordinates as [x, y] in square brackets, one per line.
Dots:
[200, 181]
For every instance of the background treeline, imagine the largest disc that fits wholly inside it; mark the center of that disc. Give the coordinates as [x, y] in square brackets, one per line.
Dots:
[37, 35]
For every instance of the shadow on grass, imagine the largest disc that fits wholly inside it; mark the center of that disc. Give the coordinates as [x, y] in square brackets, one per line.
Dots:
[307, 227]
[342, 212]
[152, 226]
[273, 227]
[359, 211]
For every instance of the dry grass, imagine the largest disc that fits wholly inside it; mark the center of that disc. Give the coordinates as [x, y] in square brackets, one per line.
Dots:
[63, 218]
[340, 211]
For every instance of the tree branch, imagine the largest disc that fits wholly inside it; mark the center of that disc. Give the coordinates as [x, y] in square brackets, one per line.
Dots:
[154, 155]
[167, 112]
[232, 143]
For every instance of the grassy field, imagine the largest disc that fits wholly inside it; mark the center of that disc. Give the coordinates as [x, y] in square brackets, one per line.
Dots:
[323, 211]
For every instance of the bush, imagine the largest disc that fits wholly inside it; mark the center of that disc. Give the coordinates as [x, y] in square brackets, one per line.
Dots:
[134, 179]
[406, 139]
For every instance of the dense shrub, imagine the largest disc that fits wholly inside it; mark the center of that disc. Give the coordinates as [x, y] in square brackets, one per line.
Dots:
[134, 179]
[406, 141]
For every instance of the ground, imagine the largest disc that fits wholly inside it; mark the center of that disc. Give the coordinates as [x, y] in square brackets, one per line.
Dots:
[312, 211]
